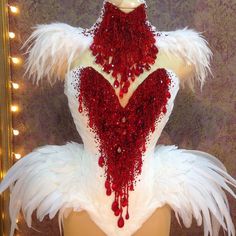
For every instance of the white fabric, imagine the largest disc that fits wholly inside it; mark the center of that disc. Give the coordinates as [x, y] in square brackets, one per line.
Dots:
[55, 179]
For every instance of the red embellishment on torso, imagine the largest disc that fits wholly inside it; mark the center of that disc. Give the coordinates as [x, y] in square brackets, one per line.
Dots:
[124, 44]
[122, 132]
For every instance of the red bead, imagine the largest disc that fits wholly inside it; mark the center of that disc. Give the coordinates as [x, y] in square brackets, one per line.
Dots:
[117, 212]
[108, 192]
[124, 202]
[101, 161]
[127, 216]
[153, 129]
[114, 187]
[115, 206]
[133, 78]
[120, 222]
[124, 89]
[107, 184]
[168, 94]
[116, 83]
[164, 110]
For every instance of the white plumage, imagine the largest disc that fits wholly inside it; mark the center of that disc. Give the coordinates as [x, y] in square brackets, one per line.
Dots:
[192, 183]
[192, 48]
[52, 48]
[51, 180]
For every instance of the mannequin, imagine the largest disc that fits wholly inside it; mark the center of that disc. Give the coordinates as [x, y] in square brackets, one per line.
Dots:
[159, 223]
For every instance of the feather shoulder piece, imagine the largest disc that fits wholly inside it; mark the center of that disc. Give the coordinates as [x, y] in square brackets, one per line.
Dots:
[191, 48]
[52, 48]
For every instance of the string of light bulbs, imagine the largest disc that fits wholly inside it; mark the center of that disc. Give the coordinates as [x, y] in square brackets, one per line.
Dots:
[14, 10]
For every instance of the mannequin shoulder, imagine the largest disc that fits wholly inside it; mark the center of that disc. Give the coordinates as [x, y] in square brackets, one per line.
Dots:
[187, 53]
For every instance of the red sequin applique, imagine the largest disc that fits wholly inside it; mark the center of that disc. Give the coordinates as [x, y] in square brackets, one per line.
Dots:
[122, 132]
[124, 44]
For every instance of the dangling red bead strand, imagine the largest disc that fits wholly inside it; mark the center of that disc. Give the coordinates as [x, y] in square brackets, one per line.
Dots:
[122, 131]
[124, 44]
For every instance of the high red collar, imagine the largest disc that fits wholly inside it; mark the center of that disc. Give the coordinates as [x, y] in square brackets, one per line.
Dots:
[128, 40]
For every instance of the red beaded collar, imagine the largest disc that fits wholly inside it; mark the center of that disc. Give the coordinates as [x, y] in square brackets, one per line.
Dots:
[124, 44]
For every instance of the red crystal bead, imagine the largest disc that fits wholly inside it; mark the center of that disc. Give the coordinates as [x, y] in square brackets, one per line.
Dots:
[108, 192]
[133, 78]
[101, 161]
[114, 187]
[107, 184]
[124, 202]
[117, 212]
[125, 90]
[115, 206]
[120, 222]
[164, 110]
[80, 109]
[116, 83]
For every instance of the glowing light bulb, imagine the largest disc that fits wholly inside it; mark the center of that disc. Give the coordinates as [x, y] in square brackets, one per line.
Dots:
[15, 85]
[14, 9]
[17, 156]
[16, 132]
[14, 108]
[16, 60]
[12, 35]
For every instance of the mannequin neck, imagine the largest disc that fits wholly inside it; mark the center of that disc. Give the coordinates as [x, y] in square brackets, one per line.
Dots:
[126, 5]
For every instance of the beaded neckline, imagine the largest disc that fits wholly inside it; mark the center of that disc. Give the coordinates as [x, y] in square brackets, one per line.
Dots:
[124, 44]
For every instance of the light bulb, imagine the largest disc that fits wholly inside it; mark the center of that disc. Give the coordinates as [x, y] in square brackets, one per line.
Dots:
[12, 35]
[15, 85]
[16, 132]
[17, 156]
[14, 9]
[15, 60]
[14, 108]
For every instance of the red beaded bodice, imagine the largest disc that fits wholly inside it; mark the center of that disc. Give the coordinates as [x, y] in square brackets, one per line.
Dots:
[122, 132]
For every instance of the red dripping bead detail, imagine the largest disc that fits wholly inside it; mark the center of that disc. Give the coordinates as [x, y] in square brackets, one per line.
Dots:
[80, 109]
[115, 206]
[123, 44]
[108, 192]
[127, 216]
[117, 212]
[107, 184]
[164, 110]
[124, 202]
[116, 83]
[122, 132]
[120, 222]
[101, 161]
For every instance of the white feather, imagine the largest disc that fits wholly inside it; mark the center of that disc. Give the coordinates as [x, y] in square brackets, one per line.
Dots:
[56, 179]
[192, 183]
[36, 182]
[190, 46]
[52, 48]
